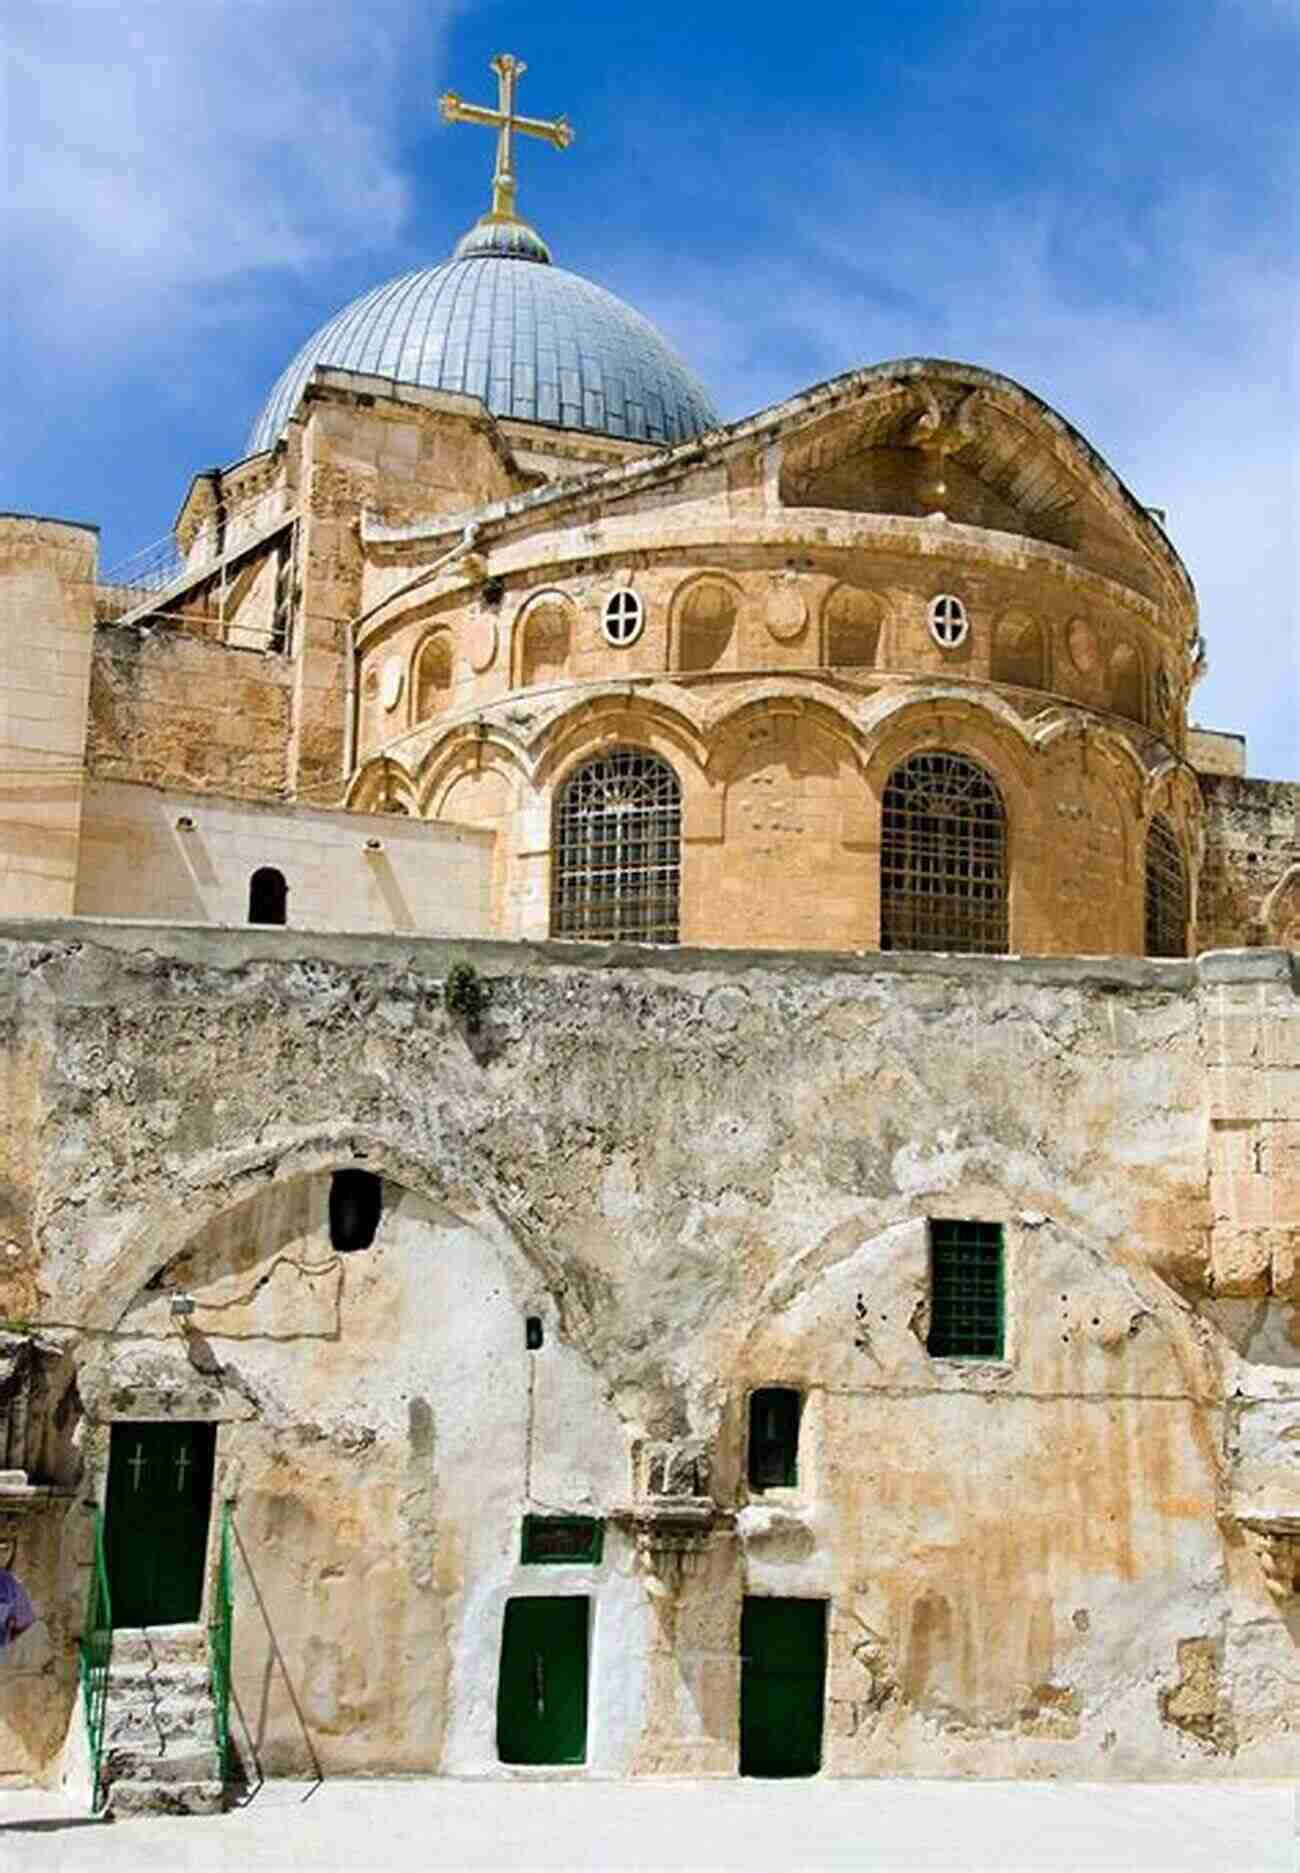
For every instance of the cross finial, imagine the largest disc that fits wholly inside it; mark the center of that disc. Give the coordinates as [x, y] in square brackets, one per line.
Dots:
[503, 120]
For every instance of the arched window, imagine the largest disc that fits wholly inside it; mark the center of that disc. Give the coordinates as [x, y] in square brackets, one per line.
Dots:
[616, 851]
[268, 896]
[1166, 893]
[943, 864]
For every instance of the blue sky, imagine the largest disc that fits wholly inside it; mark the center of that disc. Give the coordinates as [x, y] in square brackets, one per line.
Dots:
[1098, 199]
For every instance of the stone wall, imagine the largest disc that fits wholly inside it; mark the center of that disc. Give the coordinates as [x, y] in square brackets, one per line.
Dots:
[47, 573]
[702, 1172]
[1250, 884]
[171, 708]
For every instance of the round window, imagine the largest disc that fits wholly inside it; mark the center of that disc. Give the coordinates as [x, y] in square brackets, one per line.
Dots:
[948, 621]
[624, 616]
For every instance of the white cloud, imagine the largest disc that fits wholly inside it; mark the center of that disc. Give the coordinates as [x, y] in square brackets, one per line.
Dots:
[173, 144]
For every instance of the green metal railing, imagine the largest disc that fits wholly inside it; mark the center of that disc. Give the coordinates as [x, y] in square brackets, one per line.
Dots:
[94, 1654]
[220, 1629]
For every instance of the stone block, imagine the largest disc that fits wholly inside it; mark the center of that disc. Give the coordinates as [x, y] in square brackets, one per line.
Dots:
[1241, 1262]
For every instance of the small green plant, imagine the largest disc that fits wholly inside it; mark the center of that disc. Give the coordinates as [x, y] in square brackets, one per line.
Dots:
[466, 994]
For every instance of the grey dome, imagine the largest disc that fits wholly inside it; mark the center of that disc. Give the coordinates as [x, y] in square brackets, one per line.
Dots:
[499, 322]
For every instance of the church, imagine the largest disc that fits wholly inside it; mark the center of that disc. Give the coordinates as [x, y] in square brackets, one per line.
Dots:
[652, 1089]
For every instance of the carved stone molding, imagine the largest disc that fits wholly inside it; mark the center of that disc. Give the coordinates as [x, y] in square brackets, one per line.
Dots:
[672, 1533]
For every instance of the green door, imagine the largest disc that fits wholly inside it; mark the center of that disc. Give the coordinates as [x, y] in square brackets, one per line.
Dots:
[542, 1692]
[156, 1525]
[782, 1686]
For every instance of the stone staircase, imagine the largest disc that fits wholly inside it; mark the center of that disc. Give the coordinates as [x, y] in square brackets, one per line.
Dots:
[160, 1751]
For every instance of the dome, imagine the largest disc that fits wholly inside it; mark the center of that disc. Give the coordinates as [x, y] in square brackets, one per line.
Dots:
[500, 322]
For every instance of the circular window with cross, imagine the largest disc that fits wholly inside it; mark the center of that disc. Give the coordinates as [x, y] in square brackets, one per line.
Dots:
[948, 621]
[624, 617]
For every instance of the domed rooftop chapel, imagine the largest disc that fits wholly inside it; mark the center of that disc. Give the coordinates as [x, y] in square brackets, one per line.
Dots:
[652, 1113]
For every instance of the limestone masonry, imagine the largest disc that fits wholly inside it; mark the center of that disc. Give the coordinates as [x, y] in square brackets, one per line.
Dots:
[651, 1090]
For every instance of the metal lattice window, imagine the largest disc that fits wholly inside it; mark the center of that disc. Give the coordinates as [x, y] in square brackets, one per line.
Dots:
[623, 617]
[948, 621]
[616, 851]
[1166, 893]
[966, 1290]
[943, 872]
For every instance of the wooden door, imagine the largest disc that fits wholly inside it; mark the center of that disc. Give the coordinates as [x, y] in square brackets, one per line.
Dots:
[782, 1686]
[542, 1690]
[156, 1525]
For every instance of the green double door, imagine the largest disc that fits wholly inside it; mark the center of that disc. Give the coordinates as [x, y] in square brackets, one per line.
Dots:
[782, 1686]
[156, 1522]
[542, 1690]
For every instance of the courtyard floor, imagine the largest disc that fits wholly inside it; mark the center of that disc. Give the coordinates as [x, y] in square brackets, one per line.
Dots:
[633, 1827]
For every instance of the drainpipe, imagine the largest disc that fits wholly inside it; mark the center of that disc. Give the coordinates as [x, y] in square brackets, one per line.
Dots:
[350, 711]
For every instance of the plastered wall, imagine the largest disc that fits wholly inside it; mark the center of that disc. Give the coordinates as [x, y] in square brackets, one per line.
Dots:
[353, 871]
[705, 1172]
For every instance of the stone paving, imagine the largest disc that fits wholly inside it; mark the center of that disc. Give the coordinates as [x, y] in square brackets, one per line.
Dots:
[672, 1826]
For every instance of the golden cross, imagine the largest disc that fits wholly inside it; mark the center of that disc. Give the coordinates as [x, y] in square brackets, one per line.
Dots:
[455, 110]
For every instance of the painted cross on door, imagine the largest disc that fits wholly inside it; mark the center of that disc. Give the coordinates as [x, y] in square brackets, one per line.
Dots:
[156, 1523]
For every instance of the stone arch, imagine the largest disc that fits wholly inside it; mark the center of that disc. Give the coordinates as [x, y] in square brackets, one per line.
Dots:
[732, 733]
[703, 630]
[614, 717]
[544, 639]
[1019, 651]
[382, 786]
[433, 671]
[851, 628]
[243, 1180]
[979, 723]
[1126, 681]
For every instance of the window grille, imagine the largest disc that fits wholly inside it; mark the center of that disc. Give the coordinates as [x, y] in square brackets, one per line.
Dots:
[557, 1540]
[1166, 893]
[774, 1438]
[616, 851]
[948, 621]
[966, 1290]
[943, 879]
[623, 617]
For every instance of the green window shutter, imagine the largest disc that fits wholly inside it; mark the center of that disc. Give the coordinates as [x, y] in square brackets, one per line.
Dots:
[554, 1540]
[966, 1290]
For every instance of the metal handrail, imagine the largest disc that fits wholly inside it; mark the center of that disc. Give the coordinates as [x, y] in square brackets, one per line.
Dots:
[220, 1632]
[94, 1656]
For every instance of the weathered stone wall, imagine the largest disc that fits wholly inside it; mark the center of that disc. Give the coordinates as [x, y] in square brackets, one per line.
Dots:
[1250, 885]
[171, 708]
[357, 445]
[705, 1172]
[47, 574]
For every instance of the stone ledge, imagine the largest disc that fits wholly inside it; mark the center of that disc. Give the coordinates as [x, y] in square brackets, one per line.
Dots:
[233, 947]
